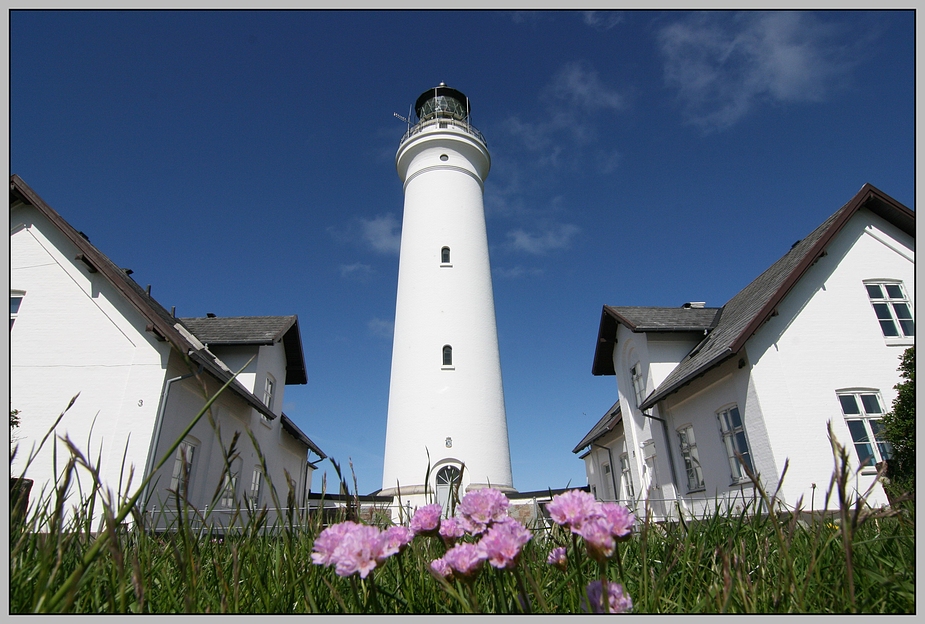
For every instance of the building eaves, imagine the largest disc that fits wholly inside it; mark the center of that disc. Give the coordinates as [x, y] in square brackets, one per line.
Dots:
[293, 430]
[641, 319]
[607, 422]
[160, 322]
[255, 331]
[755, 304]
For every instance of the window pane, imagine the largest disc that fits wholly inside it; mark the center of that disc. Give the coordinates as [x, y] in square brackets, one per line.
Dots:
[873, 291]
[902, 311]
[883, 311]
[871, 404]
[889, 328]
[736, 419]
[741, 443]
[14, 304]
[893, 291]
[908, 328]
[858, 431]
[865, 453]
[849, 404]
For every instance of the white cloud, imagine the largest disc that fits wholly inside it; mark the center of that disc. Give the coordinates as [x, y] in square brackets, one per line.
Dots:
[380, 328]
[357, 270]
[579, 85]
[602, 20]
[517, 272]
[555, 236]
[572, 97]
[383, 233]
[723, 66]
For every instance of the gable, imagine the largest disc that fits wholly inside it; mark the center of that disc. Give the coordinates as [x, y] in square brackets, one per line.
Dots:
[755, 304]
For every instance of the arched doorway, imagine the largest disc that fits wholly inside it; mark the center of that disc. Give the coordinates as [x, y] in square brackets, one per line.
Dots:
[448, 481]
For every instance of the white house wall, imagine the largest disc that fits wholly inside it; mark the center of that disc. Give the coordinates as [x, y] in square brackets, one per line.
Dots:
[281, 452]
[697, 405]
[827, 338]
[76, 334]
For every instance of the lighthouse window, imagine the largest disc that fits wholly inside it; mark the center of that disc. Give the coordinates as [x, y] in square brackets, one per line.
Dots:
[447, 355]
[444, 157]
[445, 255]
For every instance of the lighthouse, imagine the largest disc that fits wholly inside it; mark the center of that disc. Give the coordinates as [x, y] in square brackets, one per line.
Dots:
[446, 400]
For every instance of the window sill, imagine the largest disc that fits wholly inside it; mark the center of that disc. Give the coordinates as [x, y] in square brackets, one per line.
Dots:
[900, 342]
[697, 491]
[266, 422]
[446, 266]
[447, 368]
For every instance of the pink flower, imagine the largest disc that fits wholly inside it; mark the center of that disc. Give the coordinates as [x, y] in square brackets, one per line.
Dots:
[596, 531]
[502, 543]
[441, 568]
[480, 508]
[618, 600]
[570, 509]
[426, 519]
[359, 551]
[357, 548]
[393, 540]
[465, 559]
[557, 558]
[620, 519]
[326, 544]
[451, 529]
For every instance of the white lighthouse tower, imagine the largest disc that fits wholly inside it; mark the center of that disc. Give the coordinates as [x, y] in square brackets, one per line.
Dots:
[445, 395]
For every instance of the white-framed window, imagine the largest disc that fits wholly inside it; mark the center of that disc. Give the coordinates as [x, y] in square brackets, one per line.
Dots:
[892, 307]
[626, 478]
[16, 298]
[256, 487]
[269, 388]
[639, 384]
[691, 459]
[447, 355]
[649, 468]
[732, 430]
[862, 410]
[607, 482]
[183, 468]
[445, 255]
[229, 489]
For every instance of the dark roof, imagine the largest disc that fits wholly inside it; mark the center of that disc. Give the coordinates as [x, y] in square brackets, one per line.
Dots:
[160, 322]
[741, 317]
[255, 330]
[607, 422]
[646, 319]
[291, 428]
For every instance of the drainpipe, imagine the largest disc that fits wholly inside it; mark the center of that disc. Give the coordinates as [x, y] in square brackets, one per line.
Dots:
[158, 425]
[674, 475]
[613, 478]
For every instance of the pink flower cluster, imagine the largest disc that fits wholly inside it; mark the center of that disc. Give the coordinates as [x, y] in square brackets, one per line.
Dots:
[618, 601]
[557, 558]
[482, 513]
[358, 548]
[601, 525]
[480, 508]
[426, 520]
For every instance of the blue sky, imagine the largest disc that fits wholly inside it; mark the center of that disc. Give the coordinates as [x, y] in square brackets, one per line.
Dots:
[242, 163]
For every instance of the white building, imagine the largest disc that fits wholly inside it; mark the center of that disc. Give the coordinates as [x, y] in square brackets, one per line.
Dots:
[446, 401]
[815, 338]
[79, 325]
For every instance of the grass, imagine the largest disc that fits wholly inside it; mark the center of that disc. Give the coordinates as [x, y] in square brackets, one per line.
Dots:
[756, 560]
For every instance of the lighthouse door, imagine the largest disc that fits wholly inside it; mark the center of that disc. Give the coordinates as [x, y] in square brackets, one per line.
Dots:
[447, 489]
